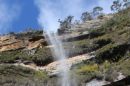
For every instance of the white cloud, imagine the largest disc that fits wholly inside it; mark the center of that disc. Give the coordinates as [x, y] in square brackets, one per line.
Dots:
[7, 15]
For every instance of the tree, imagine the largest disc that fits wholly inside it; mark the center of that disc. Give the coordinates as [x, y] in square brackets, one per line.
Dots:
[11, 33]
[69, 21]
[86, 16]
[76, 22]
[65, 25]
[97, 11]
[116, 6]
[126, 3]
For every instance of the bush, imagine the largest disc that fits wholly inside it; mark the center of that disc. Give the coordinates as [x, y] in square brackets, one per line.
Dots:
[80, 47]
[111, 52]
[95, 33]
[118, 22]
[88, 68]
[20, 76]
[42, 56]
[102, 41]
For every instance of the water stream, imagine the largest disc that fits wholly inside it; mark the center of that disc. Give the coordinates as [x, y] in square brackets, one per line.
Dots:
[60, 55]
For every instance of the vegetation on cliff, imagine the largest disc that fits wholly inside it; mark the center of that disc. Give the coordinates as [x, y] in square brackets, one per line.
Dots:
[110, 44]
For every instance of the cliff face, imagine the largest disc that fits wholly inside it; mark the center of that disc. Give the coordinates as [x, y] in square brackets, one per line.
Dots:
[92, 24]
[10, 42]
[106, 40]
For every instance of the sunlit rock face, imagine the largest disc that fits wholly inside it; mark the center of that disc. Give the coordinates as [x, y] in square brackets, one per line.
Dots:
[97, 83]
[53, 69]
[12, 42]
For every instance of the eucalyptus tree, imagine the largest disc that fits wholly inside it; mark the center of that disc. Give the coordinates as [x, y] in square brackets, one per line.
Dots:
[97, 11]
[65, 24]
[116, 6]
[126, 3]
[86, 16]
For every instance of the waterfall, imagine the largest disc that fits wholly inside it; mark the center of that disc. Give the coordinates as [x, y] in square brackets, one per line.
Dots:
[49, 13]
[59, 54]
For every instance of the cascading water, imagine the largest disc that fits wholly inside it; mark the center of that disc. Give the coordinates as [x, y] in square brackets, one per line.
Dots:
[49, 13]
[59, 54]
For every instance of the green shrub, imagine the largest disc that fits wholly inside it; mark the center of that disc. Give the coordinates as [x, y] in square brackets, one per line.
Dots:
[95, 33]
[80, 47]
[102, 41]
[111, 52]
[118, 22]
[20, 76]
[42, 56]
[88, 68]
[41, 75]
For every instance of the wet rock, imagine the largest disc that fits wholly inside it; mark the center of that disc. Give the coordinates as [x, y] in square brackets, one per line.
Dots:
[122, 82]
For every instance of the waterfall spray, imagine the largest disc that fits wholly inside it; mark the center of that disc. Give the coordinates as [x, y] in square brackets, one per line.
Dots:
[59, 54]
[50, 12]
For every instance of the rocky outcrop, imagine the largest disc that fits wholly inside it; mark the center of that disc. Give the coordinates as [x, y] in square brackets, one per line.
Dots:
[92, 24]
[75, 37]
[96, 82]
[122, 82]
[81, 31]
[52, 68]
[12, 46]
[35, 44]
[10, 42]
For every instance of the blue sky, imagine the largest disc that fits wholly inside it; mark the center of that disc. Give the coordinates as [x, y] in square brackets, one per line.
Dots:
[18, 15]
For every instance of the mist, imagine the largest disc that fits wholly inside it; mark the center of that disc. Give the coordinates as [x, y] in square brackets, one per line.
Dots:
[49, 13]
[52, 10]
